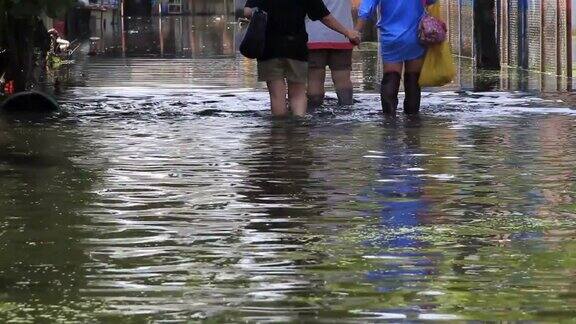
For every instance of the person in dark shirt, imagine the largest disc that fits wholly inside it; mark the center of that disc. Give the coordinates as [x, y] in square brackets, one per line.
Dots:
[286, 51]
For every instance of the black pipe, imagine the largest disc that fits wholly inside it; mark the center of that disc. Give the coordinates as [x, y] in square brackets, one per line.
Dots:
[29, 102]
[487, 51]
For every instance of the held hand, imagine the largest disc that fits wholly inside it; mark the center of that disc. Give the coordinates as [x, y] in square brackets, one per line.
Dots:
[354, 37]
[243, 21]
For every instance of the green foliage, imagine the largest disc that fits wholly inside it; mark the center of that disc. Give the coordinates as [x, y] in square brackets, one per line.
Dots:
[26, 8]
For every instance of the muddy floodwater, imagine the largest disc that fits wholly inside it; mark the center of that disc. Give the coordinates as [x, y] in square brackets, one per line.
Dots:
[164, 192]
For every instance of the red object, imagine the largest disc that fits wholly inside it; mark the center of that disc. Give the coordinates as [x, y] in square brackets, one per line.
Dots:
[9, 88]
[330, 45]
[60, 26]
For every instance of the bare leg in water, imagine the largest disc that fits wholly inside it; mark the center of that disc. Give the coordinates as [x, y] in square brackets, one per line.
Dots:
[316, 91]
[343, 84]
[277, 91]
[298, 98]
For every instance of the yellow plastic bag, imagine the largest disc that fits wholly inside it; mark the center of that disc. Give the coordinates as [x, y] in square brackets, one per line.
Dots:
[439, 68]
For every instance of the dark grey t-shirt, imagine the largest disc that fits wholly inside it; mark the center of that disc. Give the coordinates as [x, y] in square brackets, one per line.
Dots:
[286, 35]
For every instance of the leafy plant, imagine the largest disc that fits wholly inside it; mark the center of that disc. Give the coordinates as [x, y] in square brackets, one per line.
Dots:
[19, 30]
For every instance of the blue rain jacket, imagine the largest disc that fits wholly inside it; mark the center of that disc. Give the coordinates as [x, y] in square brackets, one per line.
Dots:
[398, 26]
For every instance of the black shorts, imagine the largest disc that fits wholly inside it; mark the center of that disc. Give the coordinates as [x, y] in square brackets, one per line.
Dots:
[335, 59]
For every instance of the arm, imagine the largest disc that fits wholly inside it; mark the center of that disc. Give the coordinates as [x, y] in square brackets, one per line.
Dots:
[249, 7]
[248, 12]
[335, 25]
[360, 24]
[366, 12]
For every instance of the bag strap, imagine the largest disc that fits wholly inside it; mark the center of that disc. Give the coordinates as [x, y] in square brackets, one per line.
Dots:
[425, 5]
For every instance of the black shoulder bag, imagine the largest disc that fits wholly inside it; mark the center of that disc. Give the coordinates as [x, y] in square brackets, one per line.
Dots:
[252, 45]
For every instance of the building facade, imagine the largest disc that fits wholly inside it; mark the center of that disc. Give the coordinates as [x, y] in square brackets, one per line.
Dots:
[177, 7]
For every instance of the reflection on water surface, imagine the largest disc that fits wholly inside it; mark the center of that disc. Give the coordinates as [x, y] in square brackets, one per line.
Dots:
[165, 192]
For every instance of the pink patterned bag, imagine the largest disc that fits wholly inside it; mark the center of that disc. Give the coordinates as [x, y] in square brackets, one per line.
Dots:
[431, 30]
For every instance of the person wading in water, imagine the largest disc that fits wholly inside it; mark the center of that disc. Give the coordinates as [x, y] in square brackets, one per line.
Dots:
[328, 48]
[400, 49]
[284, 64]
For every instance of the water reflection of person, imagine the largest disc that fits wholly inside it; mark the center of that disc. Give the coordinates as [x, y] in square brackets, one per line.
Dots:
[401, 195]
[279, 173]
[281, 198]
[42, 195]
[556, 184]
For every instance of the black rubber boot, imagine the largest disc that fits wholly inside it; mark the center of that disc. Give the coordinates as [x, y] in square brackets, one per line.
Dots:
[345, 97]
[315, 101]
[413, 93]
[389, 92]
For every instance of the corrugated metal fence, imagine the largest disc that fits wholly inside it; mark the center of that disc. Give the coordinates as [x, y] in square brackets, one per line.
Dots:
[532, 34]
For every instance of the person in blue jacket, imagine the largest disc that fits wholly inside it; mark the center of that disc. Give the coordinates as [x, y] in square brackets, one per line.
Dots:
[400, 49]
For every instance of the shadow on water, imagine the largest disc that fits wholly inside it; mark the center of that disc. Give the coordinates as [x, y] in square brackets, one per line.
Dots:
[283, 198]
[44, 188]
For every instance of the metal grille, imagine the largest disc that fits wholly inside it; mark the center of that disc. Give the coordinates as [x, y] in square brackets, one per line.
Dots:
[454, 22]
[513, 27]
[563, 37]
[572, 39]
[540, 32]
[467, 27]
[550, 37]
[503, 25]
[534, 34]
[445, 14]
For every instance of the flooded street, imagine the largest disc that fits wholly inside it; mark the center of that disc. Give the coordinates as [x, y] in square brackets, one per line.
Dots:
[164, 192]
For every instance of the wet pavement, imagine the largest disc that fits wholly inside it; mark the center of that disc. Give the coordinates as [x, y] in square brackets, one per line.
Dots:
[164, 192]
